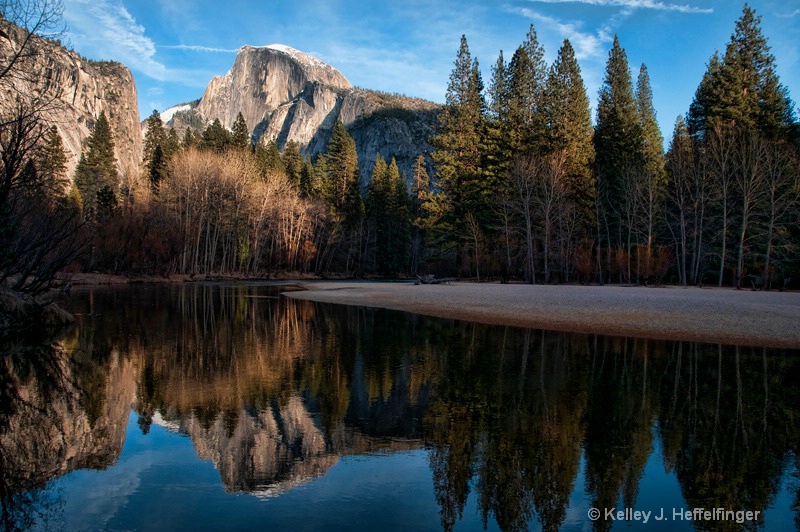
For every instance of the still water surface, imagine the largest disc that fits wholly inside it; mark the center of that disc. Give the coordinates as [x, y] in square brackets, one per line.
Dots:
[197, 407]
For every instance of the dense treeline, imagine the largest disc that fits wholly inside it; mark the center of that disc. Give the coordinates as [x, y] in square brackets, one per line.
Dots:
[526, 186]
[521, 185]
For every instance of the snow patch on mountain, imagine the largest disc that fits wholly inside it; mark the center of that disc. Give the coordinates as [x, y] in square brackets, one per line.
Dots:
[167, 114]
[302, 57]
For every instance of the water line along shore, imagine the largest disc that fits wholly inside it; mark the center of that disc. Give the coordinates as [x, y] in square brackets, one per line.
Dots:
[742, 317]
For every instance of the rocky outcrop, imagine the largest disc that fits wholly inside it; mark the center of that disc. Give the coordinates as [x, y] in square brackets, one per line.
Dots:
[285, 94]
[77, 90]
[261, 80]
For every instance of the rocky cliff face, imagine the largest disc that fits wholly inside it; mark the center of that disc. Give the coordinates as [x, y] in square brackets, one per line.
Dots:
[78, 90]
[285, 94]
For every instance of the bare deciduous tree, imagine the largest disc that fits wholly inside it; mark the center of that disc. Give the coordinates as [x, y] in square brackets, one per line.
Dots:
[750, 190]
[782, 188]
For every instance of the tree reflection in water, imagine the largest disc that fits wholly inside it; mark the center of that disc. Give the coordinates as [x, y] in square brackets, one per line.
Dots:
[274, 391]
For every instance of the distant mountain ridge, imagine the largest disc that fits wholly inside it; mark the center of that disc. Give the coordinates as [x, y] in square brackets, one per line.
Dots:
[285, 94]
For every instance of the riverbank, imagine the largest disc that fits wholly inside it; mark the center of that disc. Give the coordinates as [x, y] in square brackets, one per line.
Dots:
[95, 279]
[717, 315]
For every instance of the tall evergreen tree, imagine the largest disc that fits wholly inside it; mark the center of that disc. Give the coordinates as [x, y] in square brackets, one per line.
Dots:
[308, 185]
[156, 167]
[497, 148]
[707, 98]
[459, 152]
[618, 142]
[399, 235]
[344, 198]
[240, 135]
[652, 141]
[293, 161]
[268, 158]
[537, 77]
[420, 196]
[155, 135]
[521, 101]
[52, 163]
[568, 121]
[154, 157]
[171, 144]
[649, 189]
[189, 138]
[498, 89]
[378, 216]
[743, 89]
[342, 162]
[322, 183]
[97, 168]
[215, 137]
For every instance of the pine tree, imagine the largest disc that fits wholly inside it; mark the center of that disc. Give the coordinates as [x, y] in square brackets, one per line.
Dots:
[497, 148]
[189, 139]
[240, 136]
[618, 143]
[707, 98]
[154, 157]
[420, 197]
[650, 189]
[97, 168]
[156, 167]
[52, 163]
[399, 237]
[521, 102]
[566, 112]
[652, 141]
[459, 152]
[498, 89]
[308, 184]
[292, 162]
[215, 137]
[268, 158]
[537, 77]
[743, 89]
[171, 144]
[378, 218]
[342, 163]
[322, 181]
[154, 136]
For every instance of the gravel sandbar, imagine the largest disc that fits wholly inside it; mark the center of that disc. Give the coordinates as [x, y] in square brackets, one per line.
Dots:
[722, 315]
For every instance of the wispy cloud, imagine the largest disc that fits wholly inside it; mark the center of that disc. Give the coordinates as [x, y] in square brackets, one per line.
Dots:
[105, 29]
[586, 44]
[794, 13]
[200, 48]
[633, 4]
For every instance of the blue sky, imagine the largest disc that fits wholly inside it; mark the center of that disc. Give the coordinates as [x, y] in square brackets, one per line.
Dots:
[174, 47]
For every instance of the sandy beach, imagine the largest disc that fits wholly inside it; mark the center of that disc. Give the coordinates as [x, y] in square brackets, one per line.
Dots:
[721, 315]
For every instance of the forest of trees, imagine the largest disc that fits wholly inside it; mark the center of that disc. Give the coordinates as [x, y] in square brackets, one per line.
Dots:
[527, 187]
[521, 185]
